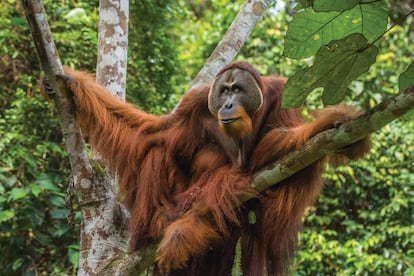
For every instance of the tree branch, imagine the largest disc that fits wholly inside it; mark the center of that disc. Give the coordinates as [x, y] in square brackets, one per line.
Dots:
[333, 140]
[51, 64]
[233, 40]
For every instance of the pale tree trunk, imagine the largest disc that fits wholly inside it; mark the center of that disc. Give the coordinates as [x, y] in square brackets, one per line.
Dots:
[111, 68]
[104, 231]
[103, 227]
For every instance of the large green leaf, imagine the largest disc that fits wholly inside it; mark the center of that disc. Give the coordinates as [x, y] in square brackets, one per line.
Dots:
[310, 30]
[407, 78]
[335, 66]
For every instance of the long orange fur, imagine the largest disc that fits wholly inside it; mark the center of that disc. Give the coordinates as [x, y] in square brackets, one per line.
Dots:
[180, 178]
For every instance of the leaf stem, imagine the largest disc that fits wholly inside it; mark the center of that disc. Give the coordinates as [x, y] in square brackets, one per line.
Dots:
[390, 28]
[369, 2]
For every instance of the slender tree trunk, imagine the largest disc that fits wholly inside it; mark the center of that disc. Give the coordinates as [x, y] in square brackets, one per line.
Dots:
[104, 231]
[111, 69]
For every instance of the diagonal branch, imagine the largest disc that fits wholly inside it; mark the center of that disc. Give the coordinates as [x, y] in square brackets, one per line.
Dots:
[231, 43]
[333, 140]
[51, 64]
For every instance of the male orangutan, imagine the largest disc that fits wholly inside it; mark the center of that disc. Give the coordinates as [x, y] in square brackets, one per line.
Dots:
[182, 175]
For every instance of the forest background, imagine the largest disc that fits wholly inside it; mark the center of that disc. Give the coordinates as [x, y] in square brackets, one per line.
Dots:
[364, 220]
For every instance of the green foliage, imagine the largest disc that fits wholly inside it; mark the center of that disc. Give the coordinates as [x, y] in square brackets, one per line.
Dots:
[153, 68]
[348, 29]
[264, 47]
[380, 82]
[407, 78]
[336, 66]
[310, 30]
[33, 170]
[35, 237]
[203, 24]
[364, 221]
[75, 32]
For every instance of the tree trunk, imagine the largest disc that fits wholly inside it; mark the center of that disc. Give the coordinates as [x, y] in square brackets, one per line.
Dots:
[104, 228]
[111, 67]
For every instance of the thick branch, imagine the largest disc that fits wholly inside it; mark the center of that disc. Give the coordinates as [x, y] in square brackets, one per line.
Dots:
[332, 140]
